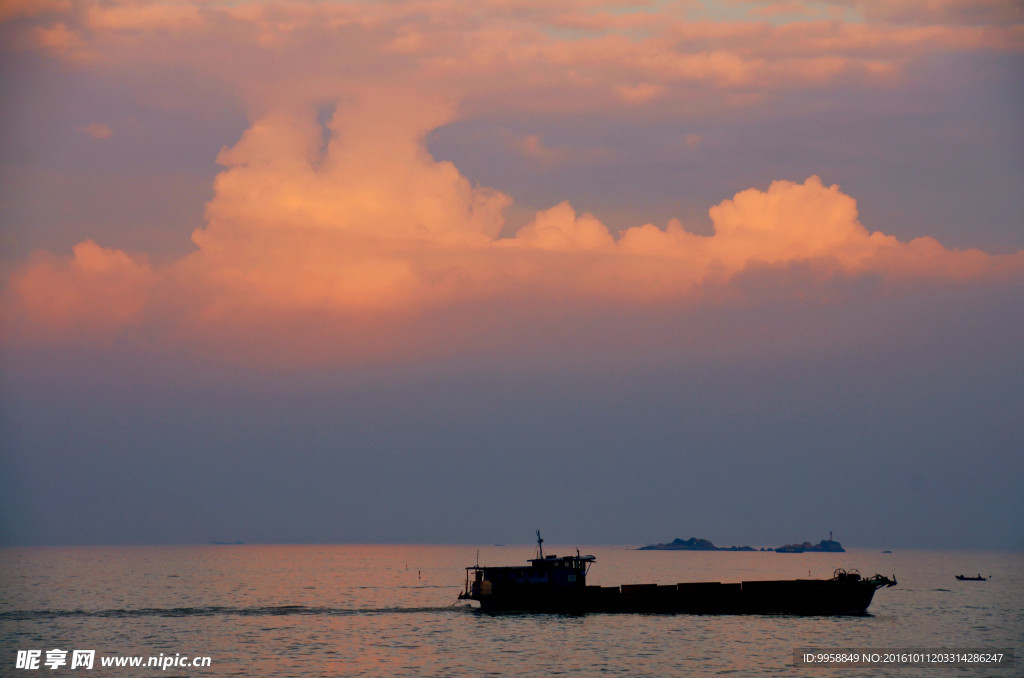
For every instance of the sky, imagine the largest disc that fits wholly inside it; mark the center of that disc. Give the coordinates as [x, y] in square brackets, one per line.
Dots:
[445, 272]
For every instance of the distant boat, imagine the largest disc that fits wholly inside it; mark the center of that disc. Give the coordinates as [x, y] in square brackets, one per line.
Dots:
[962, 577]
[887, 551]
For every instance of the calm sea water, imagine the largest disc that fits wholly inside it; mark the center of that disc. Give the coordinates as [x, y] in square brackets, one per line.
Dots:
[392, 611]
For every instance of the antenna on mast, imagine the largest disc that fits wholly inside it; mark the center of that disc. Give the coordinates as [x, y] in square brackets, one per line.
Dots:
[540, 548]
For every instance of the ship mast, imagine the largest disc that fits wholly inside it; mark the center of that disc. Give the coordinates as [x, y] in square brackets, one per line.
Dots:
[540, 548]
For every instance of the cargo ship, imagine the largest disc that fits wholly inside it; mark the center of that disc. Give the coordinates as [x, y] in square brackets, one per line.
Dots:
[559, 585]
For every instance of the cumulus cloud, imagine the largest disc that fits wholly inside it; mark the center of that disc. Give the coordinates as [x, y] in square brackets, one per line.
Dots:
[371, 220]
[560, 229]
[98, 131]
[367, 225]
[348, 225]
[96, 291]
[352, 225]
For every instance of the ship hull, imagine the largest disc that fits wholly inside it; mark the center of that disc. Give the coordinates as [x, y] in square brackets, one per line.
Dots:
[797, 597]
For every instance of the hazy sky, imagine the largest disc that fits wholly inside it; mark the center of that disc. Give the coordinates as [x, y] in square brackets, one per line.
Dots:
[439, 271]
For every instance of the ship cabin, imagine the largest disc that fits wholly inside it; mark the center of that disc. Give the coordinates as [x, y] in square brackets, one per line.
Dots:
[546, 571]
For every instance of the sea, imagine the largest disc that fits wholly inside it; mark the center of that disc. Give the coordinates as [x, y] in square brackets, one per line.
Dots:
[393, 610]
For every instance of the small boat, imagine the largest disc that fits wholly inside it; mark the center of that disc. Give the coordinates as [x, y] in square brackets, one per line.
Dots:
[559, 585]
[963, 577]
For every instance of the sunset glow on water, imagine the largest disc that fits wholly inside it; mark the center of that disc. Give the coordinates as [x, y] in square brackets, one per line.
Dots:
[366, 610]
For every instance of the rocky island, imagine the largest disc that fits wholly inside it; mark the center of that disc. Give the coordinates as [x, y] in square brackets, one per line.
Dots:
[693, 544]
[824, 546]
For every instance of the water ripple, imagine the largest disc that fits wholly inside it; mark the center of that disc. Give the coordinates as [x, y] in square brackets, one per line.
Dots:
[211, 611]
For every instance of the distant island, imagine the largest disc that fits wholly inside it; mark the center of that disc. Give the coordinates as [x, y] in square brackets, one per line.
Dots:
[693, 544]
[823, 546]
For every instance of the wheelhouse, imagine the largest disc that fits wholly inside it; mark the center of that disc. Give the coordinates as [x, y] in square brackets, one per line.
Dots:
[547, 571]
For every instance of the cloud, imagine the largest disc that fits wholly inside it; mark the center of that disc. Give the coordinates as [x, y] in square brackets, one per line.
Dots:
[61, 40]
[776, 8]
[546, 157]
[371, 221]
[349, 225]
[13, 9]
[352, 232]
[640, 92]
[970, 12]
[354, 228]
[96, 292]
[534, 148]
[517, 55]
[559, 229]
[98, 131]
[155, 16]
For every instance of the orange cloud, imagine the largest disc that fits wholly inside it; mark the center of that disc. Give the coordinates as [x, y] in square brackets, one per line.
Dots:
[352, 263]
[518, 55]
[96, 291]
[560, 229]
[296, 224]
[98, 131]
[12, 9]
[144, 17]
[61, 40]
[357, 222]
[352, 227]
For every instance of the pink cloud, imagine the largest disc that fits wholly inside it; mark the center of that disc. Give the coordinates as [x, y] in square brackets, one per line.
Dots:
[61, 40]
[12, 9]
[532, 147]
[789, 8]
[98, 131]
[355, 228]
[300, 245]
[516, 55]
[150, 16]
[938, 11]
[559, 228]
[95, 292]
